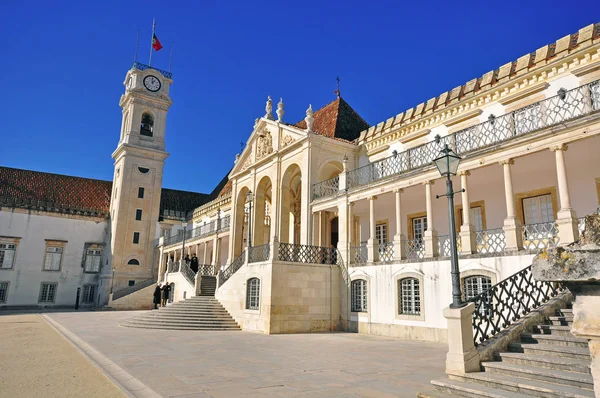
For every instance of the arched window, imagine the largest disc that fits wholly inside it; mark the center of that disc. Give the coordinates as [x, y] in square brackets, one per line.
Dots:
[409, 297]
[147, 126]
[133, 261]
[359, 295]
[253, 294]
[475, 285]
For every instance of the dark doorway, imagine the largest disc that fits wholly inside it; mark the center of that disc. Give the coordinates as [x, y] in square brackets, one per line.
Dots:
[334, 232]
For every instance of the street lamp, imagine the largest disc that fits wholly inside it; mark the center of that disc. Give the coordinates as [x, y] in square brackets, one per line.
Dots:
[112, 280]
[447, 165]
[184, 225]
[249, 200]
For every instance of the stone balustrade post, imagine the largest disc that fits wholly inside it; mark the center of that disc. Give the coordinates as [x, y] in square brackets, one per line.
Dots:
[462, 355]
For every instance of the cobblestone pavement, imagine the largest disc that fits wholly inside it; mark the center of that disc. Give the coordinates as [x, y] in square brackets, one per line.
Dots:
[36, 361]
[234, 364]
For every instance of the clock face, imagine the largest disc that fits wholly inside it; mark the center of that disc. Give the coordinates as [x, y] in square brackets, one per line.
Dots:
[152, 83]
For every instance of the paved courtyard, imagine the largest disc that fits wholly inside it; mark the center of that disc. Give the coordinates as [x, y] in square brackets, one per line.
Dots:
[234, 364]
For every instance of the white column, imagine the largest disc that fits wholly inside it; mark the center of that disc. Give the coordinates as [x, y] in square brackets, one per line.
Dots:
[275, 198]
[317, 229]
[568, 231]
[232, 223]
[372, 247]
[215, 256]
[342, 244]
[205, 254]
[512, 225]
[430, 235]
[399, 246]
[467, 231]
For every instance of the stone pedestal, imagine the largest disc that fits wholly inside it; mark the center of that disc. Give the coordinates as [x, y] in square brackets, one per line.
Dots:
[430, 239]
[568, 229]
[462, 355]
[399, 247]
[468, 241]
[513, 233]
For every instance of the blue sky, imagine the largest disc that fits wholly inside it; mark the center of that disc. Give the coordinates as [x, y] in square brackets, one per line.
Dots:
[64, 63]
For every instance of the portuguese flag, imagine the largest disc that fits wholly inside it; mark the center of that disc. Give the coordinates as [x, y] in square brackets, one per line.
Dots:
[155, 43]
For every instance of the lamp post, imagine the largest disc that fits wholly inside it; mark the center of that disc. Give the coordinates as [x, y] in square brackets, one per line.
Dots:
[249, 200]
[447, 165]
[184, 225]
[112, 280]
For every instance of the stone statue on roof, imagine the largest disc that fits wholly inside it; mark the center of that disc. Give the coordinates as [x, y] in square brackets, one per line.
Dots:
[269, 108]
[309, 119]
[280, 110]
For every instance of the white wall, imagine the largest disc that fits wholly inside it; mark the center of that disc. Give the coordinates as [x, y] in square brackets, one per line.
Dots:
[27, 273]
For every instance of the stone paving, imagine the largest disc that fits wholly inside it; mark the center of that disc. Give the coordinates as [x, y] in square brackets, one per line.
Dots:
[233, 364]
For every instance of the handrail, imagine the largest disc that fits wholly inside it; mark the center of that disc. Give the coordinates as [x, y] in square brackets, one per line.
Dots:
[566, 105]
[235, 265]
[507, 301]
[218, 225]
[132, 289]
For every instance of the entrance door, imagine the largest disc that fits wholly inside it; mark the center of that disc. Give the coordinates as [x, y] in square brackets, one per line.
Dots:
[334, 238]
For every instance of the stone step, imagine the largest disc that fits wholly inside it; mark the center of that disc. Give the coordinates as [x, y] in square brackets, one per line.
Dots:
[568, 341]
[544, 361]
[184, 317]
[460, 388]
[194, 305]
[189, 322]
[574, 379]
[194, 312]
[178, 327]
[525, 386]
[565, 311]
[581, 353]
[557, 330]
[561, 320]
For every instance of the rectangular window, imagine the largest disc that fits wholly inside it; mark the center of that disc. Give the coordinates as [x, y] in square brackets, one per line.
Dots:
[3, 291]
[93, 258]
[141, 192]
[476, 218]
[136, 237]
[47, 292]
[538, 209]
[381, 235]
[359, 295]
[7, 255]
[419, 225]
[131, 283]
[53, 258]
[409, 297]
[138, 214]
[89, 294]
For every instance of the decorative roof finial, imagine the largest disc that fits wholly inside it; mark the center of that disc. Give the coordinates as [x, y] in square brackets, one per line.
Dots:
[309, 119]
[269, 109]
[337, 92]
[280, 110]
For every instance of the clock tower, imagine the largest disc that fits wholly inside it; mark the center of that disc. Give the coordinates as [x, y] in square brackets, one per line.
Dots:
[137, 181]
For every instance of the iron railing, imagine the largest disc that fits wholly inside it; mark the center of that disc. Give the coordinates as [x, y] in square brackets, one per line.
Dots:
[326, 188]
[218, 225]
[173, 266]
[507, 301]
[187, 272]
[444, 245]
[132, 289]
[207, 270]
[236, 264]
[295, 253]
[259, 253]
[386, 252]
[490, 241]
[415, 248]
[549, 112]
[540, 236]
[358, 254]
[140, 66]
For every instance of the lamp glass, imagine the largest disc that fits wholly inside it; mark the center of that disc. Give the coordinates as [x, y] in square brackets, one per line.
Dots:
[447, 164]
[249, 196]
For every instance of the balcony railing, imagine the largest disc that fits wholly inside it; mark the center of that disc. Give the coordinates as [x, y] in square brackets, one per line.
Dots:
[490, 241]
[444, 245]
[259, 253]
[386, 252]
[326, 188]
[540, 236]
[358, 254]
[206, 270]
[415, 248]
[566, 105]
[219, 225]
[295, 253]
[140, 66]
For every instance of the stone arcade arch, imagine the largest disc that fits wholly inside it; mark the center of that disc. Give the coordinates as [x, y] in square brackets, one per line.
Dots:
[262, 201]
[240, 223]
[291, 205]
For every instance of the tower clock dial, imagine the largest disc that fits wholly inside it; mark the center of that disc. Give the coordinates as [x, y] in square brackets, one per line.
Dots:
[152, 83]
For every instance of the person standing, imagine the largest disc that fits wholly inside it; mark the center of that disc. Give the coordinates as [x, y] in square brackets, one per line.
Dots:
[194, 263]
[165, 294]
[157, 292]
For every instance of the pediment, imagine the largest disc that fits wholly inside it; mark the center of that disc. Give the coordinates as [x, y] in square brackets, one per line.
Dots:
[266, 139]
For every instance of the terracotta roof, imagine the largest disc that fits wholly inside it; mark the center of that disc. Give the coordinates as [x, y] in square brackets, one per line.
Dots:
[56, 192]
[222, 188]
[337, 120]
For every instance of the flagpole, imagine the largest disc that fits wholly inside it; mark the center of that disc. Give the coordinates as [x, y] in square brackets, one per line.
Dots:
[171, 56]
[137, 42]
[151, 41]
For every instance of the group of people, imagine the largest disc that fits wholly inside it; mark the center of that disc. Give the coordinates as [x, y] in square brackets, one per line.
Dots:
[192, 262]
[161, 295]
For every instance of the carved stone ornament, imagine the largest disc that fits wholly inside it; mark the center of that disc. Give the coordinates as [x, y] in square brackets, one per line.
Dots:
[265, 144]
[287, 140]
[248, 161]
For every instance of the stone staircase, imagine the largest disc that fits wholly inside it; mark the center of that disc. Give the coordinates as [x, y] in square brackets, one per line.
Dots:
[208, 285]
[202, 312]
[547, 362]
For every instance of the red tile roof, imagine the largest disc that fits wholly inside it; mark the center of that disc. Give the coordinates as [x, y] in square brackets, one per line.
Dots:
[337, 120]
[56, 192]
